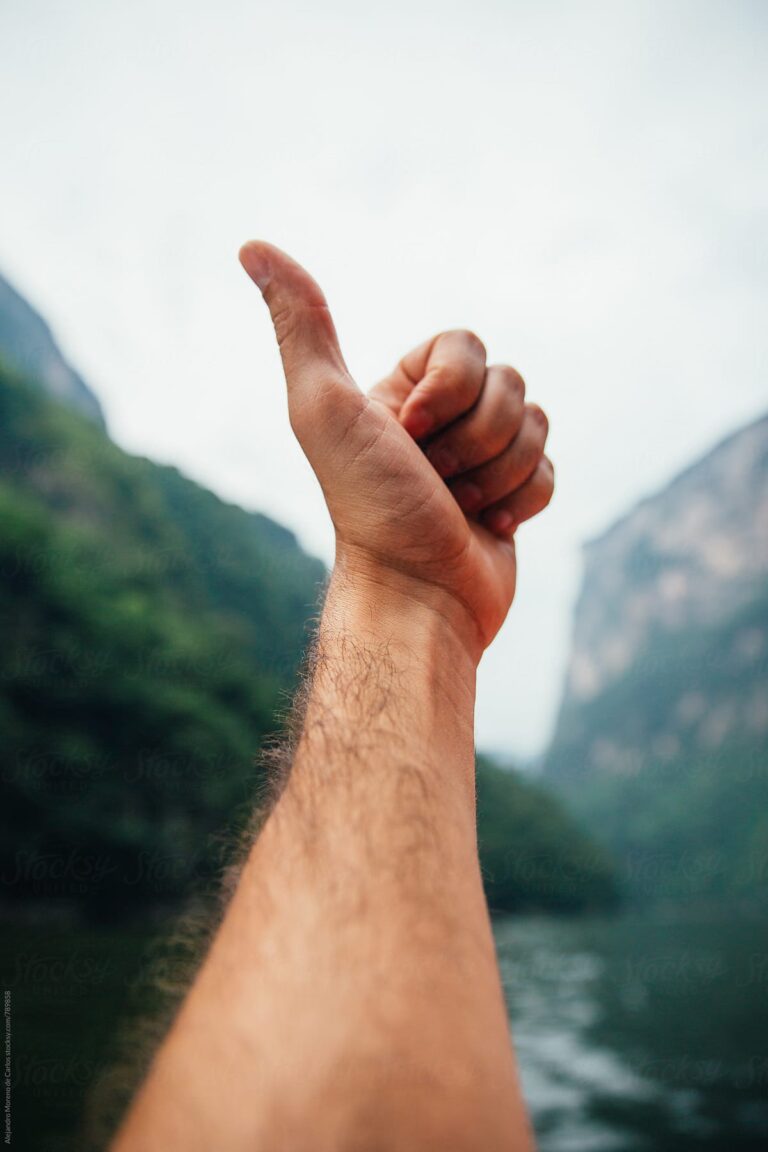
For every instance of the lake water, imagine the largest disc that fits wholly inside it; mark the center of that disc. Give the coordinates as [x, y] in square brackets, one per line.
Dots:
[631, 1034]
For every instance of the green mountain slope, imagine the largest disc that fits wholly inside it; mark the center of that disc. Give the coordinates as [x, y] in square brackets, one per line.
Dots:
[534, 855]
[150, 633]
[684, 812]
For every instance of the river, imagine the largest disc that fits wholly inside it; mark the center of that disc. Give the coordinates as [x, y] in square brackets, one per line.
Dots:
[632, 1034]
[637, 1034]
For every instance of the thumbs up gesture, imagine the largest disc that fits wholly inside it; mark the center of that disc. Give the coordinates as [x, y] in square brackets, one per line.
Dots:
[428, 475]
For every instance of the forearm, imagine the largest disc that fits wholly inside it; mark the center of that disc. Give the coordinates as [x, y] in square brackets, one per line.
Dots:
[352, 990]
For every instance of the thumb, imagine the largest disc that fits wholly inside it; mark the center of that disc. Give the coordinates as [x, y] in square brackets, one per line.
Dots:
[312, 361]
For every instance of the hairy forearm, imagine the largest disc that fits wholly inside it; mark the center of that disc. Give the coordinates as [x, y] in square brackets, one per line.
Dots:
[352, 990]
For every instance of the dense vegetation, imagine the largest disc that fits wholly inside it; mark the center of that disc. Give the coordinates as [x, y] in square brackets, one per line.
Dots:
[694, 830]
[151, 635]
[533, 854]
[685, 820]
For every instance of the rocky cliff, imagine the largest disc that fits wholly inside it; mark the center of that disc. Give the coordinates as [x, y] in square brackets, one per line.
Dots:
[671, 634]
[661, 746]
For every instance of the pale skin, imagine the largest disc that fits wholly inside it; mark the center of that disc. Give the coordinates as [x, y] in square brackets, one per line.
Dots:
[351, 1000]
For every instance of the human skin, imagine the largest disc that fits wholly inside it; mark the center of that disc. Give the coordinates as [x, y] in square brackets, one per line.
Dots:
[351, 999]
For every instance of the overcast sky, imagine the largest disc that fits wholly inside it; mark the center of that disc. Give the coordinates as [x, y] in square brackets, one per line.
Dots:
[584, 185]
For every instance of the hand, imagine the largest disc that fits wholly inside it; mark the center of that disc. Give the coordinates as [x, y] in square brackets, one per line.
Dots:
[427, 477]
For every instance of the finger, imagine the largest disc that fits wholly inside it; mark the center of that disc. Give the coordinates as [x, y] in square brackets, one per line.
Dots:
[528, 500]
[312, 360]
[490, 482]
[446, 382]
[394, 390]
[486, 430]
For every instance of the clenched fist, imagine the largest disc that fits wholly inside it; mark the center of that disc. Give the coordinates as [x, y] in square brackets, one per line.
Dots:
[428, 475]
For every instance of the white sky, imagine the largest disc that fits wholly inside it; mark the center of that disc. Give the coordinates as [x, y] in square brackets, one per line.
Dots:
[585, 185]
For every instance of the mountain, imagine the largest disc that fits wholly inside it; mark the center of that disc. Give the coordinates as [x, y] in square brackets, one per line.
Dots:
[27, 345]
[151, 634]
[534, 856]
[662, 739]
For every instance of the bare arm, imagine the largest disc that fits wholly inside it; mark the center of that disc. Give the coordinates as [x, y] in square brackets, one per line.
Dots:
[351, 999]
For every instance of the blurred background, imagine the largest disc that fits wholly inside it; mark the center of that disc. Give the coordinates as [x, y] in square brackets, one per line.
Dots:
[584, 185]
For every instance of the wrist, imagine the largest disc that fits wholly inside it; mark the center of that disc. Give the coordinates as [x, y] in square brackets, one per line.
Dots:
[382, 598]
[424, 635]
